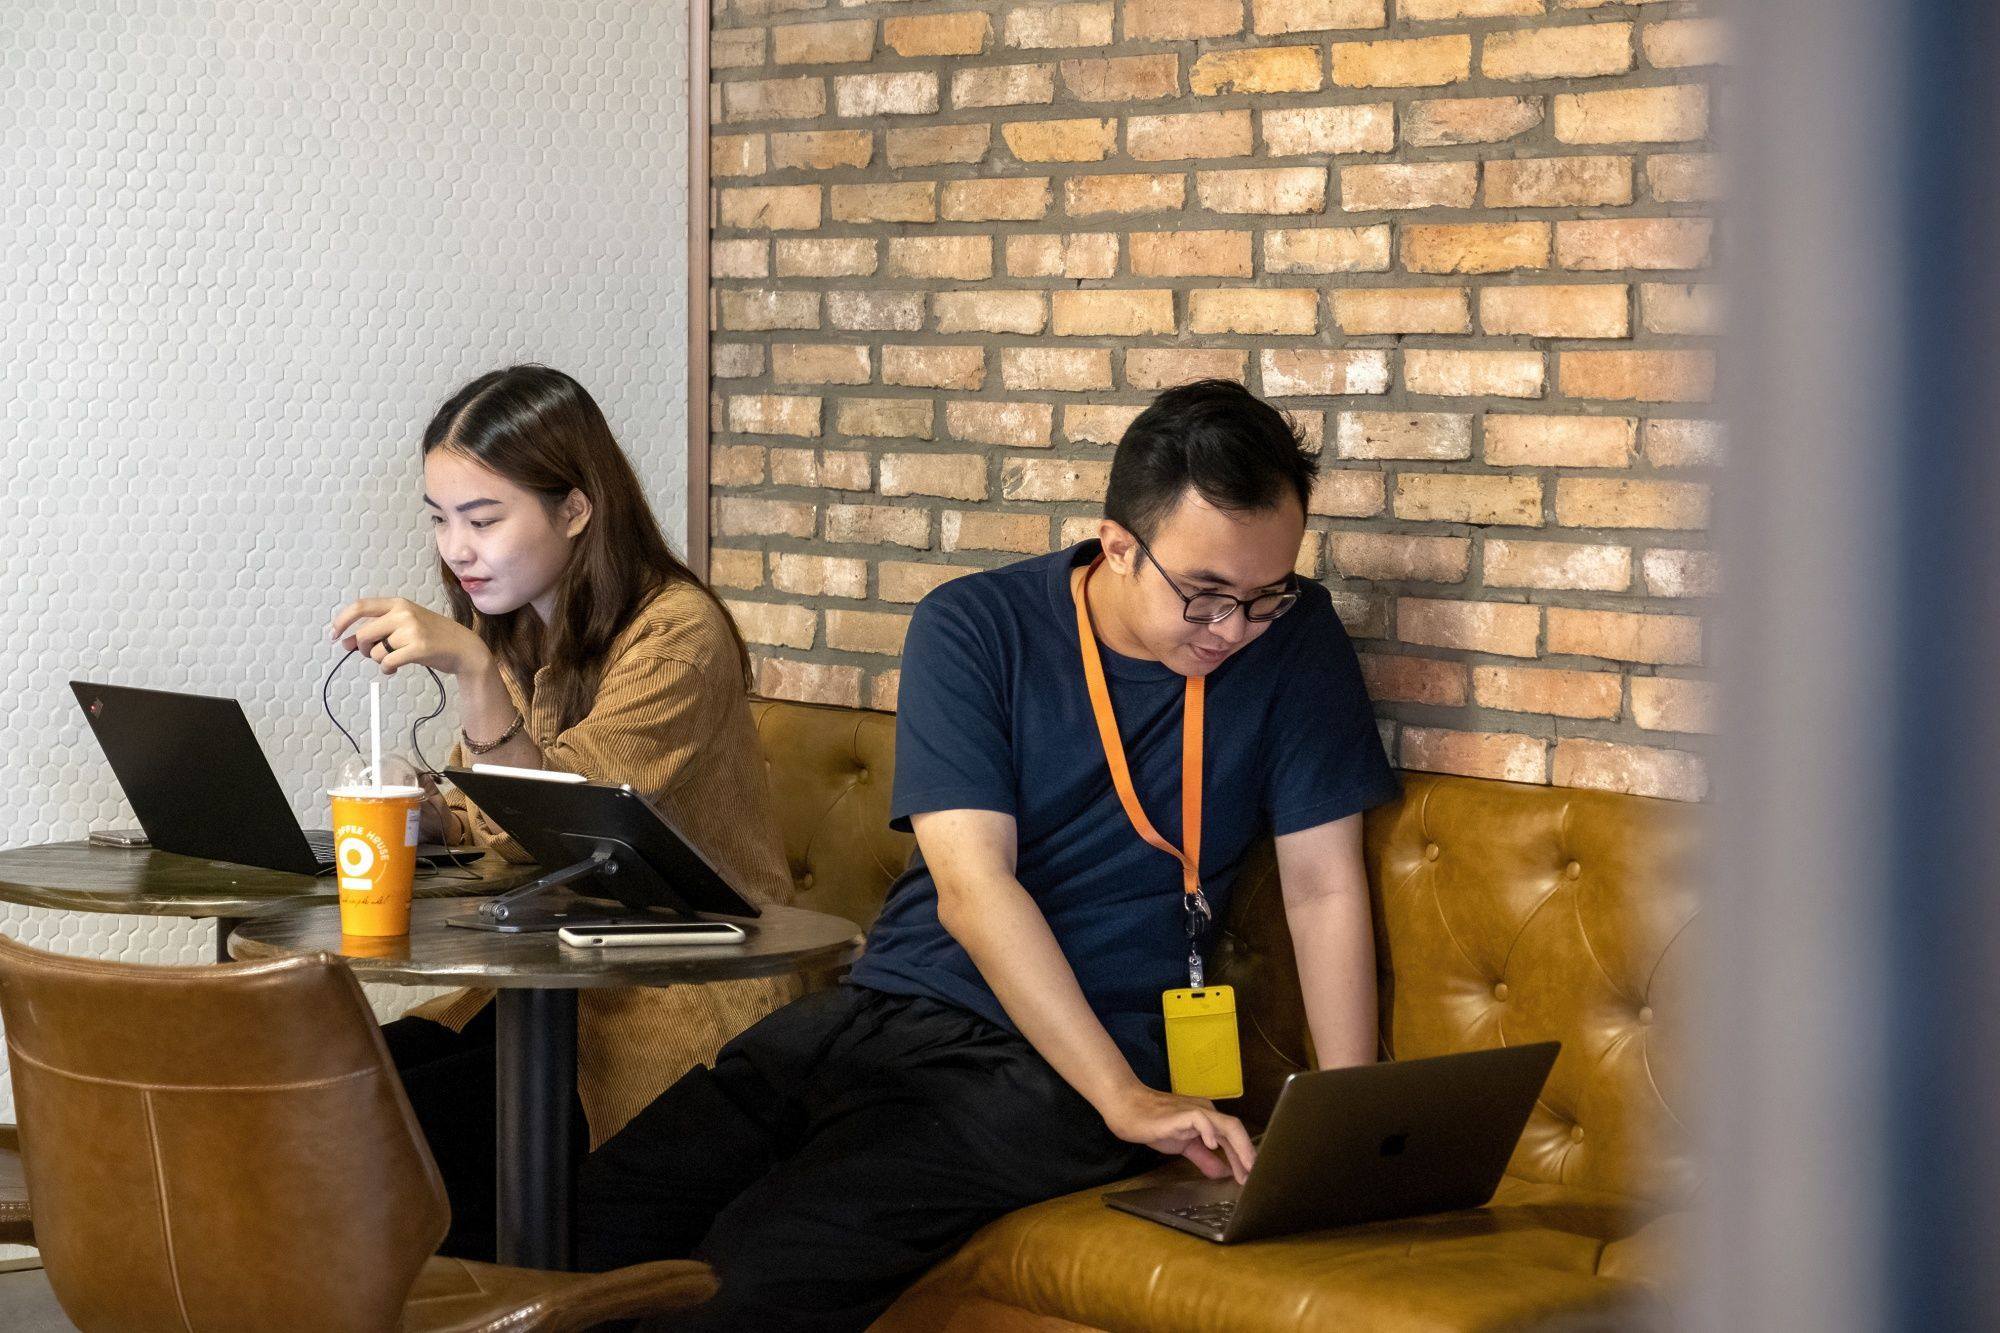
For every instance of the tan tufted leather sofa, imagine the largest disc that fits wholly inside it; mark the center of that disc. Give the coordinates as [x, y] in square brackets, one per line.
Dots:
[1503, 913]
[17, 1224]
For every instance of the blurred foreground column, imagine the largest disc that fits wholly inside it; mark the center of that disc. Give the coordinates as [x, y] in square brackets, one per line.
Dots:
[1853, 1021]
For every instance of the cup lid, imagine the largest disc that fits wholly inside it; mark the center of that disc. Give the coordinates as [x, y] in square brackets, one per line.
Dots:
[358, 777]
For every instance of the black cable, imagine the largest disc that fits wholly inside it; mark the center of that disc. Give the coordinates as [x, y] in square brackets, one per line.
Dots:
[416, 747]
[451, 873]
[326, 699]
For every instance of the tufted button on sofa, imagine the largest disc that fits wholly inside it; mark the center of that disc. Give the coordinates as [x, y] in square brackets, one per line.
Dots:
[1503, 914]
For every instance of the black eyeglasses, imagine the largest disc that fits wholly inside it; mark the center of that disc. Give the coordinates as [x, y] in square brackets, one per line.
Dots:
[1212, 608]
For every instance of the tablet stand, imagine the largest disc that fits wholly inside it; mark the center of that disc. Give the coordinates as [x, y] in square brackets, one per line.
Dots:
[548, 903]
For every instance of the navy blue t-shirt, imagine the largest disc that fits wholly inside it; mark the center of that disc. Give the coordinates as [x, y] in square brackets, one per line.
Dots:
[993, 714]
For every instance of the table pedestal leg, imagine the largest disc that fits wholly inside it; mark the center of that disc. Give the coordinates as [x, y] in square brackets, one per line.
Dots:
[535, 1072]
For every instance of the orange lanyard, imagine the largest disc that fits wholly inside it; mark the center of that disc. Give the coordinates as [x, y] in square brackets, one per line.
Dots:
[1192, 716]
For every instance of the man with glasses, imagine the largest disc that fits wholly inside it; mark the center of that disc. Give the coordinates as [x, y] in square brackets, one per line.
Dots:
[1088, 744]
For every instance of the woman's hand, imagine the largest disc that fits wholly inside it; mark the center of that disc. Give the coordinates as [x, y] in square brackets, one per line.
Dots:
[435, 821]
[396, 632]
[1190, 1127]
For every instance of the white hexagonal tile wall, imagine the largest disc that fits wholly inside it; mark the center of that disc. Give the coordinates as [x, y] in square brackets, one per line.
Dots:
[245, 249]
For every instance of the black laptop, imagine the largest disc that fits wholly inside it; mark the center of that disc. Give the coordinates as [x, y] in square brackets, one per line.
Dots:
[200, 784]
[1366, 1144]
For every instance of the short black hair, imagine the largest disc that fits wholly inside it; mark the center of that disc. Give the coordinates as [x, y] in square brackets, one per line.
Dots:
[1236, 451]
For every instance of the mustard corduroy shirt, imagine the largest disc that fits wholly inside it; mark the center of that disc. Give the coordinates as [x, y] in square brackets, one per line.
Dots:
[672, 719]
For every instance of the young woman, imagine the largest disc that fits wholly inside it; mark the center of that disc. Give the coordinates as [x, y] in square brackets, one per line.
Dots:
[577, 642]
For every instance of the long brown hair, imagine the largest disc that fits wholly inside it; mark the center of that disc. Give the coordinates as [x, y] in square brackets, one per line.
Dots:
[542, 431]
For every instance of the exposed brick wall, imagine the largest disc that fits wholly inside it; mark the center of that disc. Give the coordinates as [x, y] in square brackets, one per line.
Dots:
[1462, 242]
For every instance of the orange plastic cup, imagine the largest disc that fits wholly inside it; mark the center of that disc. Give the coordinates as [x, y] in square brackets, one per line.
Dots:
[375, 946]
[375, 857]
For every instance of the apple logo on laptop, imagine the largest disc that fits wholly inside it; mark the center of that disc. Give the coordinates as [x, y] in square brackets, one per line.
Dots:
[1393, 1145]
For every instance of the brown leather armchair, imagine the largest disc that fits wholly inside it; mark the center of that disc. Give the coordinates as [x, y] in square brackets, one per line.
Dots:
[1503, 914]
[228, 1148]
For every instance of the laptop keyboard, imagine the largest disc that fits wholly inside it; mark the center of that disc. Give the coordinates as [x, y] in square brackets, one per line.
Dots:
[1207, 1214]
[321, 842]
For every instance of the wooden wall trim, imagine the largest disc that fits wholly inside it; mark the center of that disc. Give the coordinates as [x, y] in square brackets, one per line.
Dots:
[697, 288]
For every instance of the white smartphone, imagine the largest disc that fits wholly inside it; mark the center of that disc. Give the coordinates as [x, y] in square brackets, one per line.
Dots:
[652, 934]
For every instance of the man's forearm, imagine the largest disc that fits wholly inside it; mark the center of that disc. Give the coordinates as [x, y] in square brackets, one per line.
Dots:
[1010, 942]
[1334, 941]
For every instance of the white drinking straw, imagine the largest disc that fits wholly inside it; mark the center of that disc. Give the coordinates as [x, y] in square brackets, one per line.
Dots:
[375, 729]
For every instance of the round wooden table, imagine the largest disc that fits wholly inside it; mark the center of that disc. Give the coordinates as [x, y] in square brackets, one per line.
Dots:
[84, 877]
[537, 977]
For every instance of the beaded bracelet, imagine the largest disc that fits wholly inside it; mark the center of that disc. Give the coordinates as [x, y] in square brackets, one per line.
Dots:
[476, 748]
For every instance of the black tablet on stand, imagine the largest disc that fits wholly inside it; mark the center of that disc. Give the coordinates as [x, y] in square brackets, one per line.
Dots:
[599, 842]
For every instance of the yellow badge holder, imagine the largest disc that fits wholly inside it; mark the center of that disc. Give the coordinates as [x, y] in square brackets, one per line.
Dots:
[1204, 1058]
[1202, 1052]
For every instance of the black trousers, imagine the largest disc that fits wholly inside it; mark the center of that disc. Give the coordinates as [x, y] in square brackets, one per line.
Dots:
[449, 1079]
[836, 1151]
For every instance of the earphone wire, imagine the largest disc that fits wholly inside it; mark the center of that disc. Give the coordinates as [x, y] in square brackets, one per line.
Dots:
[416, 746]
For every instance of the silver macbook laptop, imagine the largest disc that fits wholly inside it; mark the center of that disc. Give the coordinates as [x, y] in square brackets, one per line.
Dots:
[1366, 1144]
[201, 786]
